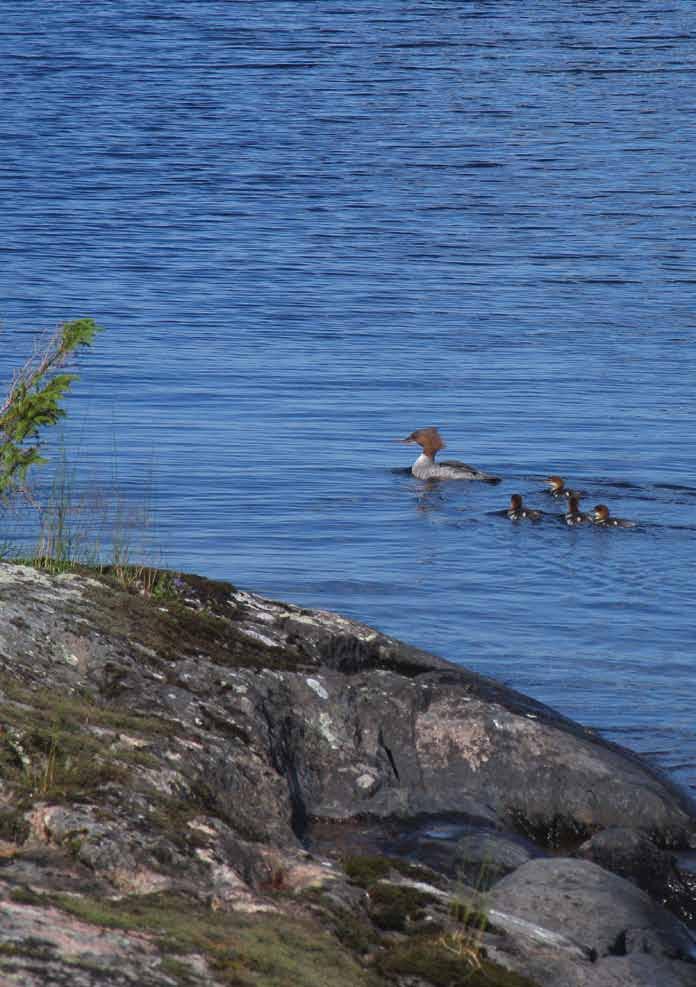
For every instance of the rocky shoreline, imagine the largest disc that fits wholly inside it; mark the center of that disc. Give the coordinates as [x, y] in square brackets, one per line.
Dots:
[202, 786]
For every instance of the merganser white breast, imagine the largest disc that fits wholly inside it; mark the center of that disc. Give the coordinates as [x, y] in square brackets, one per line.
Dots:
[425, 467]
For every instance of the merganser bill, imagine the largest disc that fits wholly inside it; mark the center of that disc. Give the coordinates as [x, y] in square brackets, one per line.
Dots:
[600, 515]
[425, 467]
[557, 488]
[517, 511]
[574, 515]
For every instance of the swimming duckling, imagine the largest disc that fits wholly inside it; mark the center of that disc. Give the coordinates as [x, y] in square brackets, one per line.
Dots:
[574, 515]
[600, 515]
[516, 511]
[557, 488]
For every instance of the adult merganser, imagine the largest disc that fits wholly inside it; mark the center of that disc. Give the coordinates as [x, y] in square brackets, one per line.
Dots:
[425, 467]
[516, 511]
[557, 488]
[574, 515]
[600, 515]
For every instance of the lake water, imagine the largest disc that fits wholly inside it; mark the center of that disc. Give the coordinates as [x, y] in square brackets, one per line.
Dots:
[312, 227]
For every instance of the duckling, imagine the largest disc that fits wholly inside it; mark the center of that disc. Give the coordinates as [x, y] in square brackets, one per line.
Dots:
[517, 512]
[557, 488]
[600, 515]
[574, 515]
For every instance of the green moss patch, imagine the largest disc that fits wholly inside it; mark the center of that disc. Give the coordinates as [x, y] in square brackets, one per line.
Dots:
[443, 964]
[366, 869]
[415, 872]
[79, 709]
[47, 761]
[13, 826]
[173, 614]
[25, 896]
[172, 628]
[392, 907]
[171, 817]
[242, 951]
[35, 949]
[210, 594]
[48, 749]
[355, 932]
[181, 972]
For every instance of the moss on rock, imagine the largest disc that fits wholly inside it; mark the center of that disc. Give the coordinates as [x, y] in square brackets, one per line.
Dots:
[241, 951]
[366, 869]
[13, 826]
[437, 962]
[176, 627]
[49, 756]
[393, 907]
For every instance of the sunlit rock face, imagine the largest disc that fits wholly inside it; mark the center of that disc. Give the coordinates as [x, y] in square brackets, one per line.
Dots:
[174, 746]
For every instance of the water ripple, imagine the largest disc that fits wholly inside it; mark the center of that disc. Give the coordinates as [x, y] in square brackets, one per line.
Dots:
[309, 232]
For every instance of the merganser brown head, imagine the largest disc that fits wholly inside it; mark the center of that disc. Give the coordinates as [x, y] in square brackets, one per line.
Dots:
[555, 483]
[601, 513]
[516, 502]
[428, 438]
[573, 506]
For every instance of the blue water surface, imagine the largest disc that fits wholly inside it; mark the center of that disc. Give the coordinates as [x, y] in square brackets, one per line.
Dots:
[312, 227]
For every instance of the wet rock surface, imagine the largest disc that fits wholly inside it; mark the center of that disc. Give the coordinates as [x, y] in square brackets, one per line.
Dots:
[179, 759]
[633, 855]
[608, 915]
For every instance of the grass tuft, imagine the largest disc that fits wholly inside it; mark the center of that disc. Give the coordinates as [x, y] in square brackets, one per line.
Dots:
[445, 961]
